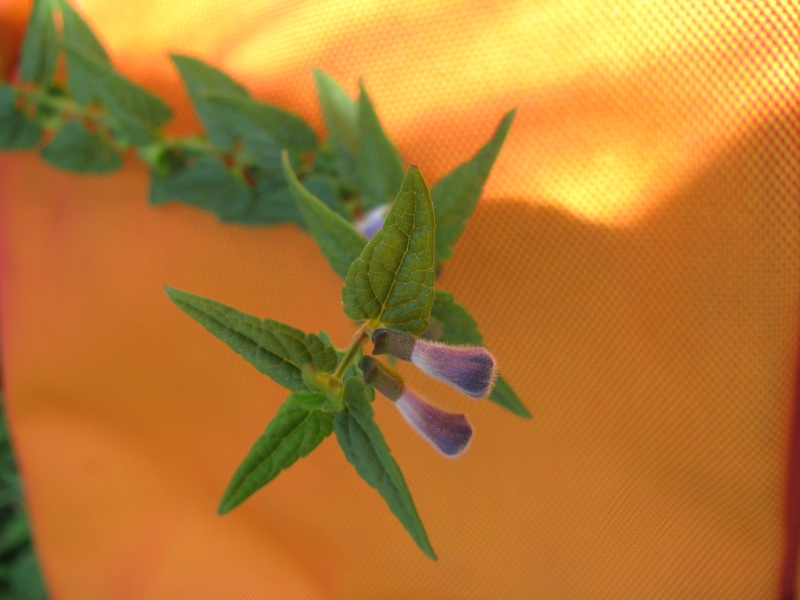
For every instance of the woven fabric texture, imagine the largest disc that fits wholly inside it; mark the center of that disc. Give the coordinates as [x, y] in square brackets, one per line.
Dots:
[634, 264]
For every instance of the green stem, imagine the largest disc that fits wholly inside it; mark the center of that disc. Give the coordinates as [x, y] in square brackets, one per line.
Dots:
[352, 350]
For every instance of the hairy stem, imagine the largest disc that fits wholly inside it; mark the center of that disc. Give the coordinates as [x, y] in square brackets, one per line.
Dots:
[358, 341]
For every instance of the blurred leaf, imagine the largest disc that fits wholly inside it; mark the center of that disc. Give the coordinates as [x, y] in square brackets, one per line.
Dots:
[459, 328]
[274, 203]
[339, 242]
[76, 149]
[340, 112]
[380, 167]
[201, 79]
[264, 130]
[26, 580]
[275, 349]
[79, 35]
[391, 282]
[207, 184]
[17, 132]
[299, 426]
[40, 46]
[456, 194]
[138, 112]
[15, 532]
[364, 446]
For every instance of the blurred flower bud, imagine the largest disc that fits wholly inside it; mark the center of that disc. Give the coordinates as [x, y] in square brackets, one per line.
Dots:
[372, 222]
[471, 370]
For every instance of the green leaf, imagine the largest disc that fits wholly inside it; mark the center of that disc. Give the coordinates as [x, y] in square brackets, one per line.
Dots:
[391, 282]
[456, 194]
[15, 533]
[340, 112]
[299, 426]
[265, 130]
[79, 35]
[25, 579]
[365, 448]
[338, 240]
[17, 132]
[504, 396]
[40, 46]
[274, 203]
[275, 349]
[138, 112]
[76, 149]
[459, 326]
[379, 163]
[207, 184]
[460, 329]
[201, 79]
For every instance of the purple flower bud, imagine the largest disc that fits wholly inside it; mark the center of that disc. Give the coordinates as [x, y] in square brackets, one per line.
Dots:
[372, 222]
[472, 370]
[449, 433]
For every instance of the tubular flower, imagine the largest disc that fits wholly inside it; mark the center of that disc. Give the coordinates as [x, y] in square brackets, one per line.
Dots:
[471, 370]
[372, 222]
[450, 433]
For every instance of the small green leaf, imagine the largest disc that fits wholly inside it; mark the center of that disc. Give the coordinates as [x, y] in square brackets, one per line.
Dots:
[17, 132]
[40, 46]
[456, 194]
[340, 112]
[138, 112]
[391, 282]
[264, 129]
[338, 240]
[275, 349]
[76, 149]
[207, 184]
[379, 163]
[299, 426]
[460, 329]
[79, 35]
[364, 446]
[202, 79]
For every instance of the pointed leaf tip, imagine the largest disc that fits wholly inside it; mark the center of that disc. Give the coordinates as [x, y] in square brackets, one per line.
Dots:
[365, 448]
[456, 194]
[391, 282]
[298, 427]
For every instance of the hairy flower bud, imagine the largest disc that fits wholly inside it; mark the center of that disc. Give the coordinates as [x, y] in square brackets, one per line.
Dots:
[449, 433]
[472, 370]
[372, 221]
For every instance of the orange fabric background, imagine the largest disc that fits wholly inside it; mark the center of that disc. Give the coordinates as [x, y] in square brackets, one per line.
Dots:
[634, 265]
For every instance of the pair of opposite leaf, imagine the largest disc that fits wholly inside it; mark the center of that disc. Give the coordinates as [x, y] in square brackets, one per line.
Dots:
[389, 287]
